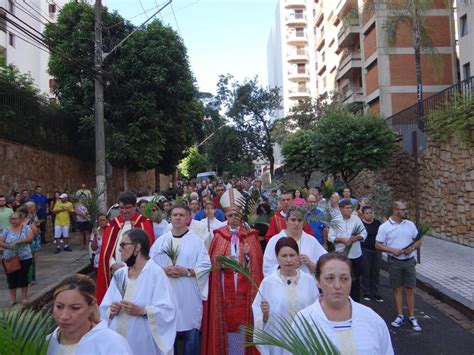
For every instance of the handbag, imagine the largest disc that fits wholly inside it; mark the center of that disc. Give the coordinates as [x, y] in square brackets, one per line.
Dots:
[12, 265]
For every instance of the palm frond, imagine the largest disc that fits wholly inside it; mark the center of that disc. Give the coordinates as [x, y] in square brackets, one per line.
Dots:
[422, 231]
[297, 335]
[171, 252]
[248, 206]
[91, 202]
[24, 331]
[328, 189]
[229, 263]
[121, 282]
[355, 232]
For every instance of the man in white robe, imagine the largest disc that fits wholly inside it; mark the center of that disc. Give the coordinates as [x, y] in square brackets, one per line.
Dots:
[188, 275]
[155, 331]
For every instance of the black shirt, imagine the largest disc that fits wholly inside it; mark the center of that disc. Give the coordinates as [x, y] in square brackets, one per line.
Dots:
[372, 230]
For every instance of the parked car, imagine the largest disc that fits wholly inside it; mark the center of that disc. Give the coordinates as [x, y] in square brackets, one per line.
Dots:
[208, 175]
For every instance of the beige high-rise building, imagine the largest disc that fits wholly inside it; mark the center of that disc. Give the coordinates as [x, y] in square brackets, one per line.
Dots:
[354, 58]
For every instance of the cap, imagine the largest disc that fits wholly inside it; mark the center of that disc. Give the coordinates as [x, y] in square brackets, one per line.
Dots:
[63, 195]
[231, 198]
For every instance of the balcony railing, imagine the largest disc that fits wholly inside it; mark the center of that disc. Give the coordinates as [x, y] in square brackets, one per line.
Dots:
[298, 17]
[417, 114]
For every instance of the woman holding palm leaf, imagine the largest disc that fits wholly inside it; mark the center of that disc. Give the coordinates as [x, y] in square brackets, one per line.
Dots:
[283, 293]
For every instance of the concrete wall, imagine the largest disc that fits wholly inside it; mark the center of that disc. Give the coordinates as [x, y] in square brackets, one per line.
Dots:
[446, 188]
[24, 167]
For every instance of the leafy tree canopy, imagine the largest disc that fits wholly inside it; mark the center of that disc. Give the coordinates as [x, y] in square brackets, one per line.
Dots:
[347, 143]
[193, 163]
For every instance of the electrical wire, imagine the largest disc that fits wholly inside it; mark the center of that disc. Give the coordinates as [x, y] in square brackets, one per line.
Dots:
[175, 20]
[21, 8]
[39, 11]
[143, 8]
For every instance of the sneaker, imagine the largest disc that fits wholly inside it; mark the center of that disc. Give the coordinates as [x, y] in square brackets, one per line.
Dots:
[377, 298]
[67, 248]
[366, 297]
[398, 322]
[57, 250]
[414, 324]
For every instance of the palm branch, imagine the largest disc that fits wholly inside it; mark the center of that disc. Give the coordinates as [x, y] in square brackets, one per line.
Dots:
[355, 232]
[298, 336]
[328, 189]
[171, 252]
[121, 282]
[248, 206]
[91, 202]
[424, 229]
[24, 331]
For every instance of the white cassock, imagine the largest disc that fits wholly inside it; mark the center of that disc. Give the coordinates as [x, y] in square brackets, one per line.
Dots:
[308, 245]
[365, 334]
[154, 334]
[212, 226]
[200, 229]
[189, 291]
[100, 340]
[285, 300]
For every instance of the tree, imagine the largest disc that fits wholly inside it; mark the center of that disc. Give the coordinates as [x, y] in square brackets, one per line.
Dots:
[297, 150]
[252, 109]
[346, 143]
[412, 14]
[193, 163]
[151, 106]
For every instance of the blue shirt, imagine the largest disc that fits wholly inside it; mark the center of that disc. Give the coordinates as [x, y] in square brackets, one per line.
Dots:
[40, 202]
[201, 214]
[316, 226]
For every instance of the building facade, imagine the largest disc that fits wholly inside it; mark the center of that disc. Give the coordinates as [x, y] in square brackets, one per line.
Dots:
[465, 23]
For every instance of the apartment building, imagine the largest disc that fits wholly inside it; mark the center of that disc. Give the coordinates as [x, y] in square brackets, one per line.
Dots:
[465, 23]
[290, 52]
[27, 18]
[353, 55]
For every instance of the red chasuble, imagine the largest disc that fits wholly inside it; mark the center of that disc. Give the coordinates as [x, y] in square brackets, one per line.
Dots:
[226, 314]
[278, 223]
[110, 244]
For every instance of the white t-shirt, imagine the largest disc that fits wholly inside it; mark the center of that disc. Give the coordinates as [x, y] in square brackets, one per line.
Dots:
[397, 235]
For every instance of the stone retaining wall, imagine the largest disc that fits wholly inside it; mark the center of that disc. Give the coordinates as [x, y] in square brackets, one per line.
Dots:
[24, 167]
[446, 188]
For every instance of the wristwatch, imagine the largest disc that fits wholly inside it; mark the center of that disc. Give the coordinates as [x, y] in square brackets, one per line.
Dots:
[189, 274]
[144, 313]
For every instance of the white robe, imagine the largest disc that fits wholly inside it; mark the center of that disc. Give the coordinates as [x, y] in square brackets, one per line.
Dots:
[100, 340]
[154, 334]
[285, 301]
[212, 226]
[369, 331]
[308, 245]
[200, 229]
[189, 291]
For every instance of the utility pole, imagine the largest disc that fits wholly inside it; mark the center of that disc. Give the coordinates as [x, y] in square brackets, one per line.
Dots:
[100, 178]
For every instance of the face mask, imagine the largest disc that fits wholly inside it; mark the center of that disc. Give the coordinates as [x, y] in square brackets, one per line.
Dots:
[132, 258]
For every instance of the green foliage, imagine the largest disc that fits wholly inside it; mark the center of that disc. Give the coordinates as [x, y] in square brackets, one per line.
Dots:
[193, 164]
[328, 189]
[380, 197]
[151, 106]
[454, 118]
[346, 143]
[297, 150]
[252, 109]
[24, 332]
[92, 203]
[298, 336]
[171, 252]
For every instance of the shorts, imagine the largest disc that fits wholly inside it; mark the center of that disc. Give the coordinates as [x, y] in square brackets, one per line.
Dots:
[61, 231]
[402, 272]
[85, 226]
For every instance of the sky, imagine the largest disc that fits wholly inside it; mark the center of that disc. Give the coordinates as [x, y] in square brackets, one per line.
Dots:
[221, 36]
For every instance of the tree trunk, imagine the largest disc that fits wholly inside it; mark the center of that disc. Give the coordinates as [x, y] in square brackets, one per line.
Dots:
[307, 177]
[157, 180]
[125, 178]
[272, 164]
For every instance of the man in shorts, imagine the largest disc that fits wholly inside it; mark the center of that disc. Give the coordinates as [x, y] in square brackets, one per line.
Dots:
[395, 237]
[62, 210]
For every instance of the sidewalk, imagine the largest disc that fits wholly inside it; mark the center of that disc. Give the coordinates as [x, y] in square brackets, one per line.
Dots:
[50, 270]
[448, 268]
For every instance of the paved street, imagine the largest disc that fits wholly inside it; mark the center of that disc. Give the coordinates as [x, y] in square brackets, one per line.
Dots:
[441, 334]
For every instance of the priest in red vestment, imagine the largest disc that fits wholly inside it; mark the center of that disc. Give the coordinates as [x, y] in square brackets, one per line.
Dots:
[229, 304]
[278, 220]
[109, 259]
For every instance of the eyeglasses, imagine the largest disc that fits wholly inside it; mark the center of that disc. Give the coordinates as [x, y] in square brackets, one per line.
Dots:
[123, 244]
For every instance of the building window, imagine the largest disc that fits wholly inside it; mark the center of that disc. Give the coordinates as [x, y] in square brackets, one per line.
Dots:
[11, 39]
[299, 32]
[463, 23]
[52, 8]
[298, 14]
[301, 68]
[11, 6]
[466, 70]
[323, 56]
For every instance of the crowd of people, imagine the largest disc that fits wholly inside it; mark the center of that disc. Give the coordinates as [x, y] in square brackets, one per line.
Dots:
[191, 274]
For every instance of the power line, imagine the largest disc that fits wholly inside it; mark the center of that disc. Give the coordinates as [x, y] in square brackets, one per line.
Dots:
[134, 16]
[175, 20]
[39, 11]
[143, 8]
[21, 8]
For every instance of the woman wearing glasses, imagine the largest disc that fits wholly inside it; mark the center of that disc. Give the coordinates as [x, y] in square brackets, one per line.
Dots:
[139, 303]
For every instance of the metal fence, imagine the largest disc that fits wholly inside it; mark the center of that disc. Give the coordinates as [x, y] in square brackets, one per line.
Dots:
[416, 115]
[24, 120]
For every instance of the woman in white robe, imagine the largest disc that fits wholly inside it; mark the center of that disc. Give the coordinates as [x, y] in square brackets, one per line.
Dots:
[309, 247]
[79, 331]
[139, 303]
[353, 328]
[283, 293]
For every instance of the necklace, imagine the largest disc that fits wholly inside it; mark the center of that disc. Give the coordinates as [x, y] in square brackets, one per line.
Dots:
[289, 280]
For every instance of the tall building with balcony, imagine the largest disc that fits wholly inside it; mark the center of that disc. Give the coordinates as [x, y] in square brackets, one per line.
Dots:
[20, 22]
[465, 23]
[354, 57]
[290, 52]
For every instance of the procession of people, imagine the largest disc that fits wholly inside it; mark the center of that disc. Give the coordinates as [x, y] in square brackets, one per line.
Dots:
[202, 283]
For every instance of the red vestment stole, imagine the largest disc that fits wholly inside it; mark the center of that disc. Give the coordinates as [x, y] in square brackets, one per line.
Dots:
[278, 223]
[224, 314]
[110, 244]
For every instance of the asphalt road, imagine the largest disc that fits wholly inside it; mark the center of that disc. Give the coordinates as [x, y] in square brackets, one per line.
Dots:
[441, 335]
